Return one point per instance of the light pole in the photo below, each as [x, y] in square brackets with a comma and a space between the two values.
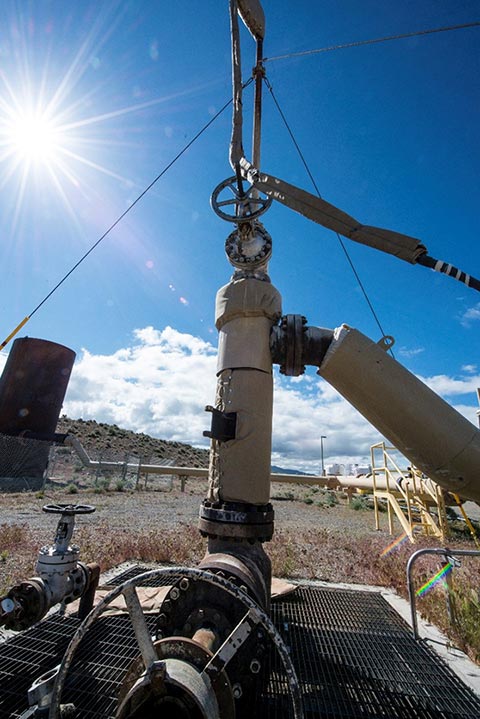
[322, 437]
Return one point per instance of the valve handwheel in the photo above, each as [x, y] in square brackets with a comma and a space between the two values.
[157, 672]
[68, 509]
[245, 206]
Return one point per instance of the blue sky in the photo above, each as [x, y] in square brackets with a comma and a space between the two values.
[390, 132]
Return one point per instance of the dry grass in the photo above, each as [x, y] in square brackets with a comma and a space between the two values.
[339, 552]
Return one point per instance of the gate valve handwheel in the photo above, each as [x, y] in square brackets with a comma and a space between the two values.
[68, 509]
[245, 207]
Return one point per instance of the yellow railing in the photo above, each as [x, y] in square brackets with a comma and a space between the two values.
[419, 493]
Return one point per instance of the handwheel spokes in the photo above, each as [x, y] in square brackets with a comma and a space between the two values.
[233, 201]
[142, 633]
[231, 644]
[246, 205]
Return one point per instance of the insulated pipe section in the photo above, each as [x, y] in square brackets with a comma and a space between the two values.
[239, 470]
[435, 437]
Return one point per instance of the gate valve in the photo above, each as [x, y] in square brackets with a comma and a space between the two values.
[60, 576]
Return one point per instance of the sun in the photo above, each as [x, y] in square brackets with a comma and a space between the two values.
[34, 137]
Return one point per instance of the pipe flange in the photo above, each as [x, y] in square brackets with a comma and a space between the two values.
[294, 345]
[249, 246]
[287, 345]
[236, 520]
[181, 662]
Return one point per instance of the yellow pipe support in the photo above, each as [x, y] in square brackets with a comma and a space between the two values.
[12, 334]
[470, 526]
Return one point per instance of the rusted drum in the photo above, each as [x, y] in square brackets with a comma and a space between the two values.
[32, 389]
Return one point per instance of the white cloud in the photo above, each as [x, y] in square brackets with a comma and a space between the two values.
[300, 418]
[471, 368]
[162, 382]
[160, 385]
[471, 315]
[450, 387]
[412, 352]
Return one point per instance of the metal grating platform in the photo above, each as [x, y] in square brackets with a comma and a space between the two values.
[355, 658]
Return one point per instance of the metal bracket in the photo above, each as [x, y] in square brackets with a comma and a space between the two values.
[386, 342]
[224, 425]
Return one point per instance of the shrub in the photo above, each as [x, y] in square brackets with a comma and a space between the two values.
[102, 484]
[358, 503]
[330, 499]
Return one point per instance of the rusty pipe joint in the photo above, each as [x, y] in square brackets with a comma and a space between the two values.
[293, 344]
[236, 520]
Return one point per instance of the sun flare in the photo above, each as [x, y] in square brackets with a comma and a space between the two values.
[34, 137]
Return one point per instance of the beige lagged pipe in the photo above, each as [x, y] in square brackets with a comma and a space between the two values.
[239, 470]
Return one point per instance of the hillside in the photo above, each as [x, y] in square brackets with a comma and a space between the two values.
[112, 442]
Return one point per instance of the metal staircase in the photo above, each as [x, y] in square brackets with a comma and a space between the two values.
[414, 499]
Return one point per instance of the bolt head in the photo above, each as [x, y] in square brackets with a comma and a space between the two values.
[255, 666]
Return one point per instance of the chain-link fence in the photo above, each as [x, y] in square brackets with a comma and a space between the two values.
[23, 463]
[29, 464]
[112, 470]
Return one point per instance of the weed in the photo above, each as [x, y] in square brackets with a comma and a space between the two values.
[308, 500]
[286, 496]
[283, 555]
[359, 503]
[12, 535]
[102, 484]
[120, 485]
[3, 555]
[330, 499]
[72, 489]
[40, 494]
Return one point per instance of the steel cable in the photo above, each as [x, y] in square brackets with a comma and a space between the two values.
[120, 218]
[373, 41]
[342, 244]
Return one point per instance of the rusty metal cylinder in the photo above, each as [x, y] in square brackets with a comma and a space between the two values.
[32, 389]
[33, 385]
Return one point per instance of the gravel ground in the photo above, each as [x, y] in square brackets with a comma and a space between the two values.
[169, 508]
